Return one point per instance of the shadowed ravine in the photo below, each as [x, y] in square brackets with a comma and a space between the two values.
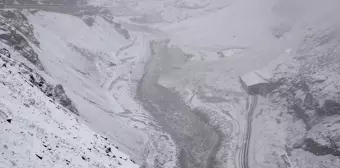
[195, 137]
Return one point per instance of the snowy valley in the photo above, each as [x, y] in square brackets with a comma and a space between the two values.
[161, 84]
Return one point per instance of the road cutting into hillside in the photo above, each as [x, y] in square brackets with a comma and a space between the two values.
[244, 151]
[196, 139]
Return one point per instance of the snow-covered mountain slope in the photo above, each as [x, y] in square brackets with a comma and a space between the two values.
[89, 61]
[36, 131]
[309, 91]
[99, 75]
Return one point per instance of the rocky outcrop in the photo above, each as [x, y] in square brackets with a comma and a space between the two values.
[89, 16]
[89, 20]
[60, 96]
[321, 117]
[36, 131]
[324, 137]
[56, 93]
[329, 108]
[18, 34]
[311, 92]
[121, 30]
[107, 15]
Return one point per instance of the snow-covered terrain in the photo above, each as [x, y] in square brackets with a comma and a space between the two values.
[88, 61]
[92, 64]
[136, 69]
[290, 41]
[36, 131]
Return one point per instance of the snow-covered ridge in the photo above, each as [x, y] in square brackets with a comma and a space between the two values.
[99, 73]
[41, 133]
[17, 32]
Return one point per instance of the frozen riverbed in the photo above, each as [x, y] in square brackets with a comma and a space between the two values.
[193, 135]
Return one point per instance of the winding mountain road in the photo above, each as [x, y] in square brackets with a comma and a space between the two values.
[244, 151]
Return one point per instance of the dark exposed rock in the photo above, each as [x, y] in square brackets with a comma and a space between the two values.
[301, 84]
[33, 11]
[89, 21]
[310, 102]
[55, 92]
[278, 121]
[67, 162]
[323, 138]
[300, 113]
[40, 157]
[298, 95]
[16, 21]
[18, 33]
[311, 146]
[111, 64]
[107, 16]
[108, 150]
[331, 107]
[5, 52]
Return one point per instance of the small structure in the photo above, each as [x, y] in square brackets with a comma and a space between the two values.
[255, 84]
